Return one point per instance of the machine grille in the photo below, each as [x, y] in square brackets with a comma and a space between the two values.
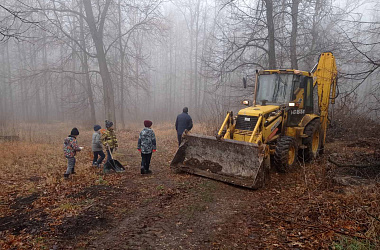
[245, 122]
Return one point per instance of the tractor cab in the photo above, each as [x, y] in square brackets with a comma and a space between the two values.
[291, 89]
[284, 87]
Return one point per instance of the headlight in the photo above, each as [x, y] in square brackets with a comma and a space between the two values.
[292, 104]
[245, 102]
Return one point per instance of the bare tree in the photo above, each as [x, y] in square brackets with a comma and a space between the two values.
[14, 23]
[293, 38]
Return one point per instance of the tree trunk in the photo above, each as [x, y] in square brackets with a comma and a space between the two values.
[85, 70]
[293, 37]
[8, 82]
[97, 36]
[171, 75]
[38, 107]
[61, 111]
[202, 89]
[314, 33]
[191, 72]
[45, 80]
[122, 58]
[3, 94]
[137, 70]
[271, 40]
[196, 57]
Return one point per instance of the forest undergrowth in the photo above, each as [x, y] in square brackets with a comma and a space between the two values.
[320, 204]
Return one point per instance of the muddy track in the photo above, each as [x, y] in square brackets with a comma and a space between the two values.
[185, 211]
[187, 217]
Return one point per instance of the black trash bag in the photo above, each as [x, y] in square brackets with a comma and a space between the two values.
[114, 165]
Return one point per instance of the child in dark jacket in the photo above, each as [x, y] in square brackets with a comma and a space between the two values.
[97, 147]
[146, 145]
[70, 149]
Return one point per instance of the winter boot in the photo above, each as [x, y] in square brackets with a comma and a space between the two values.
[142, 171]
[73, 171]
[66, 176]
[147, 171]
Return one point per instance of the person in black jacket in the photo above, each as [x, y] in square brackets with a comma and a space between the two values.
[183, 122]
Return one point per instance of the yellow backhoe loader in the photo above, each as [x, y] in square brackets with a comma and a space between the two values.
[288, 118]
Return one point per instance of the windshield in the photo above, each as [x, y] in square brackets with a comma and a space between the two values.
[275, 88]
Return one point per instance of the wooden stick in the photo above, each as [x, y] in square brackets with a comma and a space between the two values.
[377, 164]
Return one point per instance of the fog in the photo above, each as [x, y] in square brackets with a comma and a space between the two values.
[89, 60]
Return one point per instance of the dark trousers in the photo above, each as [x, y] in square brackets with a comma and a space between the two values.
[145, 161]
[109, 155]
[179, 136]
[96, 155]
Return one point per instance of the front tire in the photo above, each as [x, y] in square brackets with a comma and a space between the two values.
[285, 156]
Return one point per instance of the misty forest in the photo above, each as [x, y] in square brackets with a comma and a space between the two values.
[136, 64]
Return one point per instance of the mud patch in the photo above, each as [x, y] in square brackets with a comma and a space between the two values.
[24, 202]
[92, 192]
[75, 226]
[32, 222]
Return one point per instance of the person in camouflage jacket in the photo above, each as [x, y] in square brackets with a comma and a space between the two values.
[109, 140]
[146, 145]
[70, 149]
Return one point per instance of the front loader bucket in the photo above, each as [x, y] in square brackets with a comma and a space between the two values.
[231, 161]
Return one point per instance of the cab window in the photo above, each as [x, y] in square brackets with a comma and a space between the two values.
[308, 95]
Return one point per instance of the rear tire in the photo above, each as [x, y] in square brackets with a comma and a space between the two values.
[285, 156]
[313, 141]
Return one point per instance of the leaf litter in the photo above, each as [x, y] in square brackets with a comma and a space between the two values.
[303, 209]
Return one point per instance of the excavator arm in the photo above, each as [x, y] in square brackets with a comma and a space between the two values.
[325, 77]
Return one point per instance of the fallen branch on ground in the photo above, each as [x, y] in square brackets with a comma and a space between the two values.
[370, 214]
[377, 164]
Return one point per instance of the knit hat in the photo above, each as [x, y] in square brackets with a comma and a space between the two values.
[74, 131]
[148, 123]
[185, 110]
[109, 124]
[97, 127]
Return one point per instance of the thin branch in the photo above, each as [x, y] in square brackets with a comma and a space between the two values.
[377, 164]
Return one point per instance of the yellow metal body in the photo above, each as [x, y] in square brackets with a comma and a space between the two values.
[266, 126]
[240, 153]
[325, 77]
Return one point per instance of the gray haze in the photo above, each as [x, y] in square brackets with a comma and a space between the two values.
[88, 60]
